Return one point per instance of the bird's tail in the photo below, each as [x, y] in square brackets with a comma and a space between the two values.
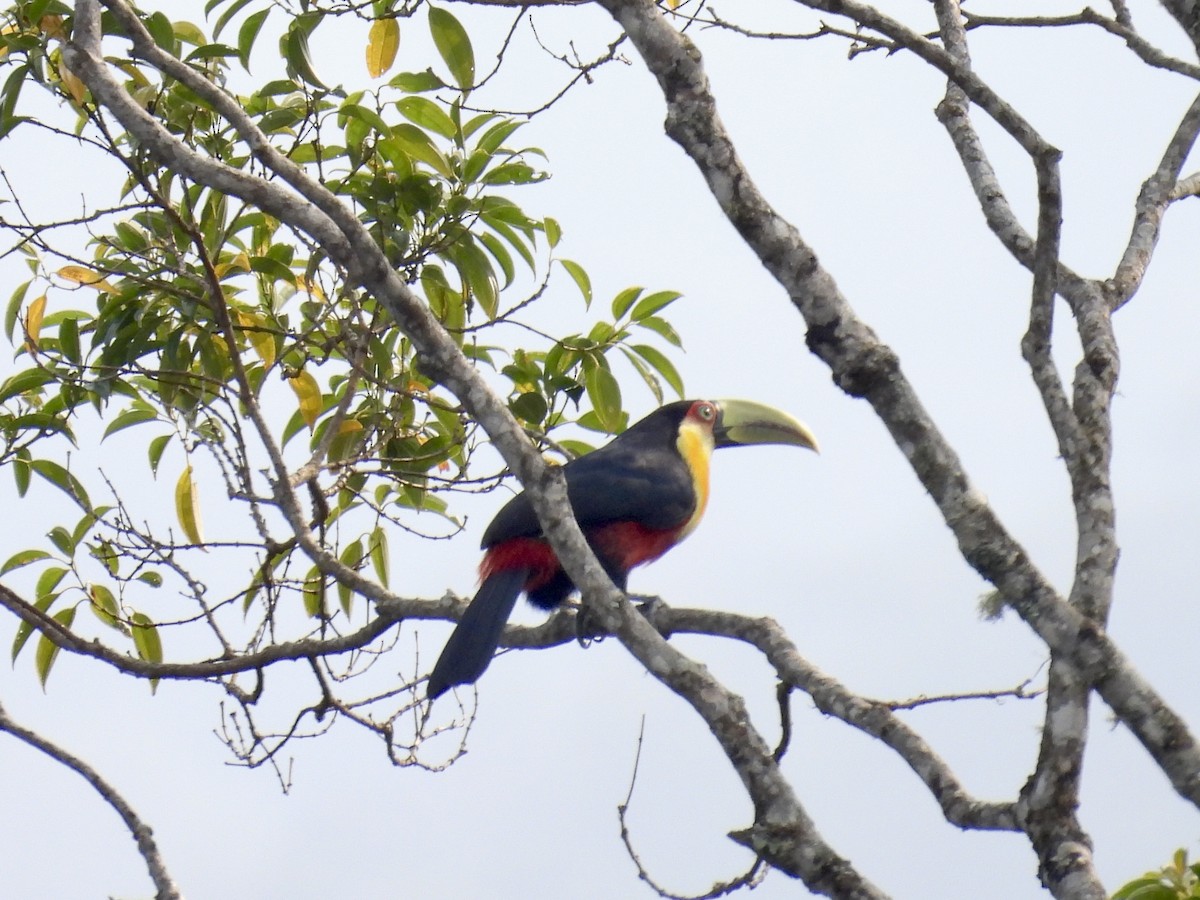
[470, 648]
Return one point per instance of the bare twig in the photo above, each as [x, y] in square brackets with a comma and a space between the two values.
[749, 879]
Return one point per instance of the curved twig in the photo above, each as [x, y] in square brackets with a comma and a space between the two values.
[164, 884]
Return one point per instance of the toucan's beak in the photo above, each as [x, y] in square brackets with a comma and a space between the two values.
[742, 422]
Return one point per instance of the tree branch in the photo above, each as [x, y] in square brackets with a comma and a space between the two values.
[864, 367]
[319, 213]
[164, 884]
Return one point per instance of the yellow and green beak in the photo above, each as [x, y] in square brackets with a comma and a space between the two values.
[744, 422]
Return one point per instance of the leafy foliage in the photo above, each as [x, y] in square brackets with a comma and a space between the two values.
[215, 341]
[1177, 881]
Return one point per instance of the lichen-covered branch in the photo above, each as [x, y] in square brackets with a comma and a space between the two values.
[865, 367]
[309, 208]
[164, 883]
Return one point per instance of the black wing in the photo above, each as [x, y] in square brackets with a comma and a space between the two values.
[613, 484]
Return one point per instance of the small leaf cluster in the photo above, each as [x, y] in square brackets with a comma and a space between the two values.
[61, 586]
[1176, 881]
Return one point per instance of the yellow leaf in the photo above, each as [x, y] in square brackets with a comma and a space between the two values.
[73, 85]
[349, 425]
[52, 27]
[33, 321]
[239, 263]
[7, 29]
[383, 42]
[86, 277]
[309, 394]
[311, 288]
[259, 335]
[187, 507]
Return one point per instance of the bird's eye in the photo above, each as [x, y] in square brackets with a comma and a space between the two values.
[706, 412]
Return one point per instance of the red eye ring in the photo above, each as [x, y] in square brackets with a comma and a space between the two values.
[705, 411]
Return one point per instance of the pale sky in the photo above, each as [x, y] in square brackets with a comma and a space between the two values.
[844, 550]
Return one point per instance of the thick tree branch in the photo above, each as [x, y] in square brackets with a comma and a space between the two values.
[350, 246]
[1187, 14]
[66, 639]
[872, 717]
[1051, 797]
[1157, 193]
[864, 367]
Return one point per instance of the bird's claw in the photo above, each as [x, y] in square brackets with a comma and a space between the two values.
[588, 629]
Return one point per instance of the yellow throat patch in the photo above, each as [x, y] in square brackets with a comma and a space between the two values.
[695, 445]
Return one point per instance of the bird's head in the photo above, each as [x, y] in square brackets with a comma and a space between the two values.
[739, 423]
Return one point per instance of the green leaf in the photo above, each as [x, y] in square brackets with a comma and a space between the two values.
[423, 112]
[155, 451]
[43, 423]
[129, 418]
[22, 558]
[13, 311]
[454, 45]
[107, 555]
[416, 143]
[650, 305]
[383, 42]
[351, 558]
[652, 380]
[68, 340]
[147, 641]
[61, 538]
[366, 115]
[379, 554]
[222, 20]
[624, 300]
[248, 34]
[514, 239]
[25, 630]
[530, 406]
[499, 253]
[189, 33]
[513, 173]
[478, 274]
[605, 394]
[21, 472]
[580, 277]
[663, 329]
[151, 578]
[663, 365]
[162, 31]
[47, 650]
[417, 82]
[553, 230]
[104, 605]
[63, 480]
[313, 594]
[294, 47]
[492, 140]
[25, 382]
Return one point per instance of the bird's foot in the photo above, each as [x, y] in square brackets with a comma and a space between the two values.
[646, 603]
[588, 628]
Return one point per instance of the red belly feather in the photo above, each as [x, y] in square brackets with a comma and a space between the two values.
[627, 544]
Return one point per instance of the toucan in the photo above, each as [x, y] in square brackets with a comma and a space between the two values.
[634, 499]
